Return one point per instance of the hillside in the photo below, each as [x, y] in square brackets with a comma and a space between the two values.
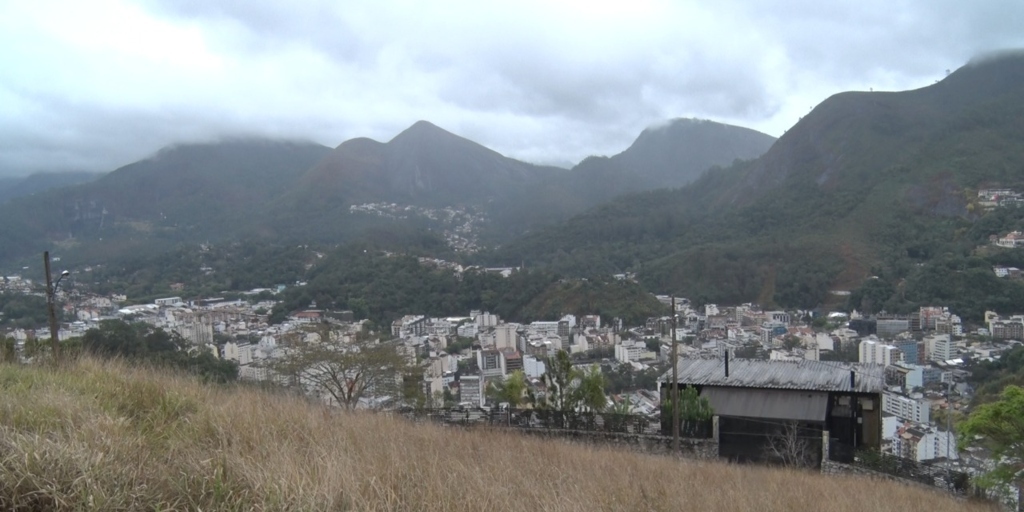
[434, 182]
[423, 165]
[105, 436]
[667, 155]
[382, 288]
[193, 192]
[11, 188]
[867, 182]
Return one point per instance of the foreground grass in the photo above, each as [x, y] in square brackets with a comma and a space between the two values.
[108, 436]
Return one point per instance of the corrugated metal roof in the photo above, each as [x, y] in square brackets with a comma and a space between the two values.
[768, 403]
[755, 373]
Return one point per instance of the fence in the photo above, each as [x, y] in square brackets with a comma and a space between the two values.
[562, 420]
[957, 482]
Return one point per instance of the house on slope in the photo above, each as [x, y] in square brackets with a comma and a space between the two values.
[765, 406]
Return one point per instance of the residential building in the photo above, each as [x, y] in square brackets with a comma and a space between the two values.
[468, 330]
[940, 347]
[949, 323]
[1005, 328]
[505, 336]
[544, 328]
[409, 325]
[921, 443]
[471, 390]
[533, 367]
[486, 319]
[490, 362]
[873, 352]
[928, 315]
[513, 360]
[629, 351]
[771, 329]
[1011, 240]
[913, 350]
[906, 408]
[889, 327]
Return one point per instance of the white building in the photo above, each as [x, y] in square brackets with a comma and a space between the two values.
[533, 367]
[486, 319]
[629, 351]
[546, 329]
[906, 408]
[468, 330]
[921, 443]
[870, 351]
[940, 347]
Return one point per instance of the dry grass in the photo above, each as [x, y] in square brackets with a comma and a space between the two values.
[107, 436]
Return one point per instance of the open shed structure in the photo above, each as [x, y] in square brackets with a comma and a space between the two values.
[764, 407]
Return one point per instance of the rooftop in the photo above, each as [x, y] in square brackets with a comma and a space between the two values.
[802, 375]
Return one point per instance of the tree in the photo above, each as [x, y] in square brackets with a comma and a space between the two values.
[345, 370]
[1000, 426]
[788, 447]
[694, 410]
[511, 390]
[8, 350]
[590, 390]
[570, 388]
[142, 342]
[558, 378]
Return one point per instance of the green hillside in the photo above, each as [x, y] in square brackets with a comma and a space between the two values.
[866, 183]
[191, 193]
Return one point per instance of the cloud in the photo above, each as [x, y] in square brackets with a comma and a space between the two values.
[110, 82]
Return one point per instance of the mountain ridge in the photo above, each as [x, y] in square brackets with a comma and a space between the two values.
[865, 182]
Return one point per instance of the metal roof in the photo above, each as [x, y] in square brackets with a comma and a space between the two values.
[768, 403]
[804, 375]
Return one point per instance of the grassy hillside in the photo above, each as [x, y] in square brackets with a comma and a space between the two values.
[105, 436]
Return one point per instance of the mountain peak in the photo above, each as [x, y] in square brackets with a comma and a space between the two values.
[424, 130]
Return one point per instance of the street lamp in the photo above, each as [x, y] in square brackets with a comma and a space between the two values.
[51, 291]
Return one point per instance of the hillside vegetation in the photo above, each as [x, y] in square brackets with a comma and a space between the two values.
[106, 436]
[867, 183]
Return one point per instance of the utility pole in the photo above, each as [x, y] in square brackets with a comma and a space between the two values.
[51, 310]
[675, 382]
[949, 429]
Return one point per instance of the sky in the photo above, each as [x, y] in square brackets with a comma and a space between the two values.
[100, 84]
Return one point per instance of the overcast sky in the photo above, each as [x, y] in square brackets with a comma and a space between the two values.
[96, 85]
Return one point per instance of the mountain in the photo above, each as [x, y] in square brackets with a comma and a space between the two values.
[668, 155]
[435, 183]
[189, 192]
[423, 165]
[867, 182]
[11, 188]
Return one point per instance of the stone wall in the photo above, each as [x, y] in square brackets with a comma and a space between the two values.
[643, 443]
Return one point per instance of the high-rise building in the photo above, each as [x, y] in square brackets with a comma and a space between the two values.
[471, 390]
[870, 351]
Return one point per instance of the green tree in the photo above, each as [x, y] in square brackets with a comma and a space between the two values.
[142, 342]
[8, 350]
[511, 390]
[558, 379]
[569, 388]
[999, 426]
[590, 390]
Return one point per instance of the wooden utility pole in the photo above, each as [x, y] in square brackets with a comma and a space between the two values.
[675, 382]
[51, 310]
